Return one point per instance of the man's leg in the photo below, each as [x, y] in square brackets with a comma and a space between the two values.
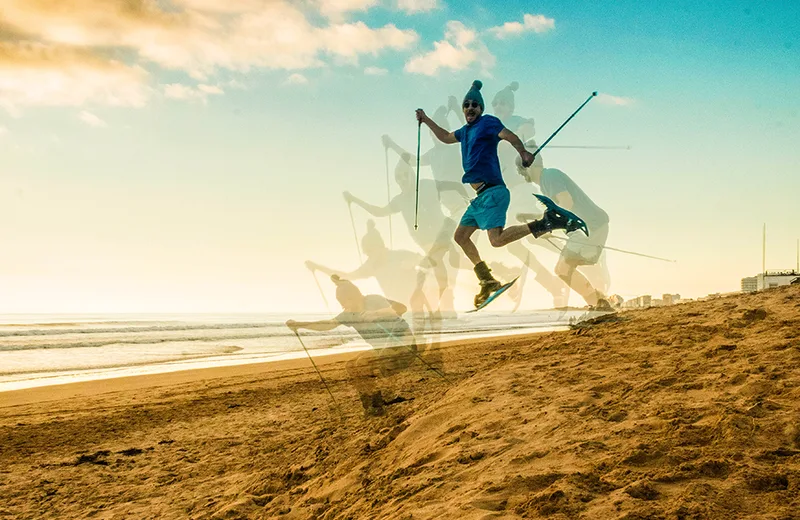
[568, 271]
[554, 285]
[463, 238]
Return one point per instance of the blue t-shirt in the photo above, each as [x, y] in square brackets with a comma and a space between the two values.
[479, 150]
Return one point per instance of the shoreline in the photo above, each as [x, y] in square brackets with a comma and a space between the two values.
[49, 379]
[97, 387]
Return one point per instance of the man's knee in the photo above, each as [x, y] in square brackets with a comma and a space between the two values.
[564, 269]
[461, 236]
[496, 239]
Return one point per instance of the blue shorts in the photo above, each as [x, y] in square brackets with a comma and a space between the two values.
[488, 210]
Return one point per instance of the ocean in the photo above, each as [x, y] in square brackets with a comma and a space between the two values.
[47, 349]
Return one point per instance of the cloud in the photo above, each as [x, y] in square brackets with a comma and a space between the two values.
[35, 74]
[189, 93]
[537, 23]
[296, 79]
[416, 6]
[200, 38]
[375, 71]
[91, 119]
[608, 99]
[337, 8]
[459, 49]
[3, 131]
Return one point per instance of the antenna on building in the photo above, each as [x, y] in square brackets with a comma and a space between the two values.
[764, 249]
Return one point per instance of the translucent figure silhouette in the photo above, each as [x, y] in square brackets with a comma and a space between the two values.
[479, 139]
[445, 164]
[579, 252]
[395, 271]
[379, 322]
[435, 232]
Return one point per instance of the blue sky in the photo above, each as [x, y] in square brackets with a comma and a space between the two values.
[182, 158]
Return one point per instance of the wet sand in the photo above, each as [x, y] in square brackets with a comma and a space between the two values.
[690, 411]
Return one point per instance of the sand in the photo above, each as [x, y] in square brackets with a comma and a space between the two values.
[683, 412]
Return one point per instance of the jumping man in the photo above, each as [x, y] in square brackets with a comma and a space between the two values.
[479, 138]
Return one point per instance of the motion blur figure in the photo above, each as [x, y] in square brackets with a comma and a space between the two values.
[579, 252]
[435, 233]
[379, 322]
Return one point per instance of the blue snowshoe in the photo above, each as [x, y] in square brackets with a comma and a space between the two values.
[556, 217]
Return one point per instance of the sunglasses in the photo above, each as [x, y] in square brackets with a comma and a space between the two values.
[471, 104]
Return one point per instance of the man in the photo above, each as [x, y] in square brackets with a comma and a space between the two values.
[479, 138]
[435, 231]
[445, 164]
[378, 321]
[578, 252]
[394, 270]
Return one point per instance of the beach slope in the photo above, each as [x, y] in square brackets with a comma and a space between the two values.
[686, 412]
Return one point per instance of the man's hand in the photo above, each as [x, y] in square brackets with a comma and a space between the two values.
[453, 104]
[386, 140]
[292, 325]
[527, 158]
[421, 116]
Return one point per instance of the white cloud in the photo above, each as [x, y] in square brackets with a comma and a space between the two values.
[416, 6]
[336, 8]
[198, 37]
[608, 99]
[34, 74]
[537, 23]
[375, 71]
[91, 119]
[296, 79]
[210, 89]
[459, 49]
[189, 93]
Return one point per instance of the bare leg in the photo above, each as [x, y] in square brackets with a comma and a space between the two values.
[500, 237]
[569, 273]
[463, 238]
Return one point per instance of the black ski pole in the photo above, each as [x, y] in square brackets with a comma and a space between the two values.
[318, 372]
[594, 94]
[416, 204]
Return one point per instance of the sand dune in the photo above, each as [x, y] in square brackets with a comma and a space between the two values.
[683, 412]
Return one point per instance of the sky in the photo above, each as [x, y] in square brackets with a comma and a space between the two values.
[190, 155]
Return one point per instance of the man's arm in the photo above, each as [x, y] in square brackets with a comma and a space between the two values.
[507, 135]
[407, 157]
[376, 211]
[320, 326]
[364, 271]
[440, 133]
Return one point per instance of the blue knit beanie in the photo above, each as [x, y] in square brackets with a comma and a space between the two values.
[474, 94]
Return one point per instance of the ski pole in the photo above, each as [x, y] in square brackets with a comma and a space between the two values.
[321, 292]
[318, 372]
[388, 195]
[587, 147]
[416, 204]
[414, 352]
[355, 235]
[617, 250]
[594, 94]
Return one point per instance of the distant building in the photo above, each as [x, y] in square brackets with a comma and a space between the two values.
[616, 300]
[750, 284]
[644, 300]
[671, 299]
[769, 279]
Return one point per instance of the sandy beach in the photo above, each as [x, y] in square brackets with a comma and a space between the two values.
[683, 412]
